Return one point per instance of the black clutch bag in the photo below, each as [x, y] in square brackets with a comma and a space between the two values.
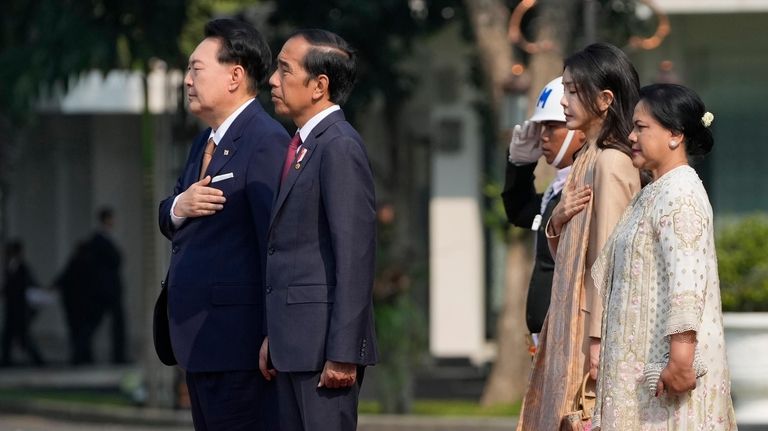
[161, 333]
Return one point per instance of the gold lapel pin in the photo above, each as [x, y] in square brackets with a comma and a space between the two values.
[297, 166]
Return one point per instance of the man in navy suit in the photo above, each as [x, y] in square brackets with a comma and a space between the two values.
[217, 219]
[321, 243]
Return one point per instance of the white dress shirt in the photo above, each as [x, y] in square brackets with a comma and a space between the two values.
[217, 136]
[315, 120]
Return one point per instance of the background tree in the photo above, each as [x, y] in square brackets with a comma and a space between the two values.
[45, 45]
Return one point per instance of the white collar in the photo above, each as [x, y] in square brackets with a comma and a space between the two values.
[218, 134]
[315, 120]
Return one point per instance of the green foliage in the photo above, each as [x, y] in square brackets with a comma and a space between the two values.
[383, 32]
[199, 12]
[45, 43]
[463, 408]
[495, 217]
[85, 396]
[742, 252]
[400, 324]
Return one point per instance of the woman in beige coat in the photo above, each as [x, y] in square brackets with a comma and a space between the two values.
[601, 89]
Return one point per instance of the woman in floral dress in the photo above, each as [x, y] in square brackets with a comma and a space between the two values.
[663, 361]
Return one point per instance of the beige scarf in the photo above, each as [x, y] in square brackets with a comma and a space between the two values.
[560, 362]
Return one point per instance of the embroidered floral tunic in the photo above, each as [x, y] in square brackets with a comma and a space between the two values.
[658, 276]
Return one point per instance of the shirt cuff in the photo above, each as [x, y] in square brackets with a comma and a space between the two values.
[176, 220]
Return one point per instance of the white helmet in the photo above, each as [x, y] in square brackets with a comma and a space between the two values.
[548, 107]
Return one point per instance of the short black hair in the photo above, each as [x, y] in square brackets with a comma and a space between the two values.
[13, 248]
[332, 56]
[105, 214]
[602, 66]
[679, 109]
[243, 45]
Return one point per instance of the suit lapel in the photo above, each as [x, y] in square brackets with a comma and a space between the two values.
[227, 148]
[293, 174]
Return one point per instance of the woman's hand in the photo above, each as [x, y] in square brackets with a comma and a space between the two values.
[573, 201]
[676, 379]
[679, 377]
[594, 357]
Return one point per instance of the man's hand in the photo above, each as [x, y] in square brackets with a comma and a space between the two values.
[338, 375]
[199, 200]
[525, 147]
[264, 364]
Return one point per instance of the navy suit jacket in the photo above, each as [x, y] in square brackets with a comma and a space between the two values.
[215, 280]
[321, 253]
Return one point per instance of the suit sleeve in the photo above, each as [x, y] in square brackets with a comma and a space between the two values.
[164, 211]
[263, 184]
[521, 202]
[616, 182]
[348, 199]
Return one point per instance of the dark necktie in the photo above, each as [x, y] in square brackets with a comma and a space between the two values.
[207, 156]
[290, 155]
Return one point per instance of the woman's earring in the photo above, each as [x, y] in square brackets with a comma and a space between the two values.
[673, 144]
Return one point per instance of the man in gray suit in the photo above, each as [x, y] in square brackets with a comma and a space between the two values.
[320, 244]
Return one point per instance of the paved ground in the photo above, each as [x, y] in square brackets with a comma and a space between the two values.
[18, 422]
[40, 415]
[33, 423]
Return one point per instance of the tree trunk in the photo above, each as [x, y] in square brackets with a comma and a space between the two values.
[489, 19]
[509, 376]
[505, 385]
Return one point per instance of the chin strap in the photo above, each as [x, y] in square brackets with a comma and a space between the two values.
[563, 148]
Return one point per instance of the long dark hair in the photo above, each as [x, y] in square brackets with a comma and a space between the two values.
[679, 109]
[598, 67]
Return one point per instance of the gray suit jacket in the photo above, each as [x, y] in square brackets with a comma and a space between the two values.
[321, 253]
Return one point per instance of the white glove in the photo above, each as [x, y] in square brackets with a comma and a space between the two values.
[525, 147]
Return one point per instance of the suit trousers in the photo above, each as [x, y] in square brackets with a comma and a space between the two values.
[232, 401]
[305, 407]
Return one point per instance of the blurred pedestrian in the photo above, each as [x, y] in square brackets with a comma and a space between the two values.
[601, 89]
[543, 134]
[217, 219]
[106, 263]
[82, 303]
[663, 360]
[18, 279]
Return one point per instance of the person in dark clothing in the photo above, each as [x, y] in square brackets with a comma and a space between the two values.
[106, 261]
[18, 312]
[543, 134]
[82, 307]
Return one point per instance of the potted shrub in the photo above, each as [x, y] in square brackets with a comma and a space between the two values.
[742, 251]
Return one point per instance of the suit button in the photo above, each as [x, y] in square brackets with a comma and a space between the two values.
[269, 289]
[271, 250]
[175, 249]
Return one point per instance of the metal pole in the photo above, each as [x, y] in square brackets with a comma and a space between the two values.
[590, 21]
